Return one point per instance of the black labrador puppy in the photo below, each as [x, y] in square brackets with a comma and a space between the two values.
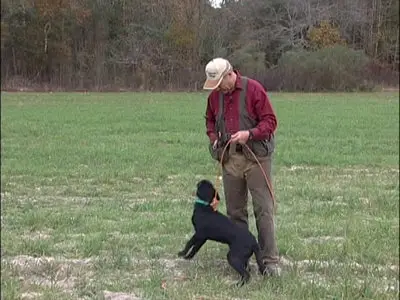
[210, 224]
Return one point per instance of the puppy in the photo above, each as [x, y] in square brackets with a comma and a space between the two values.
[210, 224]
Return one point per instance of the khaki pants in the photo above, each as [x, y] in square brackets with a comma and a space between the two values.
[239, 176]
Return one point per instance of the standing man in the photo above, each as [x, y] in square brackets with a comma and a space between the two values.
[239, 109]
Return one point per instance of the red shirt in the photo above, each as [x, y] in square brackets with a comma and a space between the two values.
[259, 107]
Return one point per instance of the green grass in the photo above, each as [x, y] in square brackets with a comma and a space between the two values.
[97, 196]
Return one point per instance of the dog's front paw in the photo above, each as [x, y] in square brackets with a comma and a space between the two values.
[248, 268]
[242, 281]
[181, 253]
[184, 255]
[239, 284]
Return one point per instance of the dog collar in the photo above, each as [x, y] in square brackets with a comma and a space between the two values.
[201, 202]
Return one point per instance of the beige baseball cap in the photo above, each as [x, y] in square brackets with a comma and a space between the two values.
[216, 69]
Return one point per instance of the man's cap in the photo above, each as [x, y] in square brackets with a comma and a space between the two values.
[216, 69]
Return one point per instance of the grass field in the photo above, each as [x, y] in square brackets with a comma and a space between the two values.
[96, 195]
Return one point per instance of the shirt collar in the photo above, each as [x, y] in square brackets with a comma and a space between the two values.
[238, 82]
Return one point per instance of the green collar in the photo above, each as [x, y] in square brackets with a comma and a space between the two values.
[202, 202]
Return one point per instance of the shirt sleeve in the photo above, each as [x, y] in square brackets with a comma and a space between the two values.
[265, 113]
[210, 121]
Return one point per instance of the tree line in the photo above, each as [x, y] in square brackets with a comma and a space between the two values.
[153, 45]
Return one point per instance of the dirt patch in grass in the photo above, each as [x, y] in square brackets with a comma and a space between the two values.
[198, 297]
[302, 264]
[304, 167]
[324, 239]
[120, 296]
[381, 285]
[50, 272]
[31, 296]
[37, 235]
[330, 203]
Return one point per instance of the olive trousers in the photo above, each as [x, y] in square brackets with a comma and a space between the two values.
[240, 175]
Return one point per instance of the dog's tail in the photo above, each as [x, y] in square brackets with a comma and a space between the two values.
[257, 253]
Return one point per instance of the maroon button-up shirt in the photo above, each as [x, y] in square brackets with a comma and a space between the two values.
[259, 107]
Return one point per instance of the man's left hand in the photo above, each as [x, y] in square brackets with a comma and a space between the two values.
[240, 137]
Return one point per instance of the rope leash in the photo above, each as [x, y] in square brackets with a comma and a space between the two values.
[218, 181]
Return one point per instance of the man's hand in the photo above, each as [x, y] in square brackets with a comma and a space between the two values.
[240, 137]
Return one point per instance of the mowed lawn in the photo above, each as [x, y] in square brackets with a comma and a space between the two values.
[96, 198]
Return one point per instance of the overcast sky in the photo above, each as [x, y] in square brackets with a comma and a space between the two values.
[215, 3]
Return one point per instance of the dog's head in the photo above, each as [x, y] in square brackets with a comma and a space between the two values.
[206, 192]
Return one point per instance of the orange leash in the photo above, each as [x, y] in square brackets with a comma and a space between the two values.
[217, 182]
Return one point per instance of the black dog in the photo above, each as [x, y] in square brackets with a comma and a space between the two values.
[212, 225]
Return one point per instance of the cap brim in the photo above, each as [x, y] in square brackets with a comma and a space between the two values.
[211, 84]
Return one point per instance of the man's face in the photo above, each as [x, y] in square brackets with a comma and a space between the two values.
[227, 83]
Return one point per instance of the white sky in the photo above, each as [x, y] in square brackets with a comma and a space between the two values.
[215, 3]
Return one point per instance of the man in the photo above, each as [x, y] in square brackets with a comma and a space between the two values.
[239, 109]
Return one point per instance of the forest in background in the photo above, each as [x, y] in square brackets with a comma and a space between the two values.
[163, 45]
